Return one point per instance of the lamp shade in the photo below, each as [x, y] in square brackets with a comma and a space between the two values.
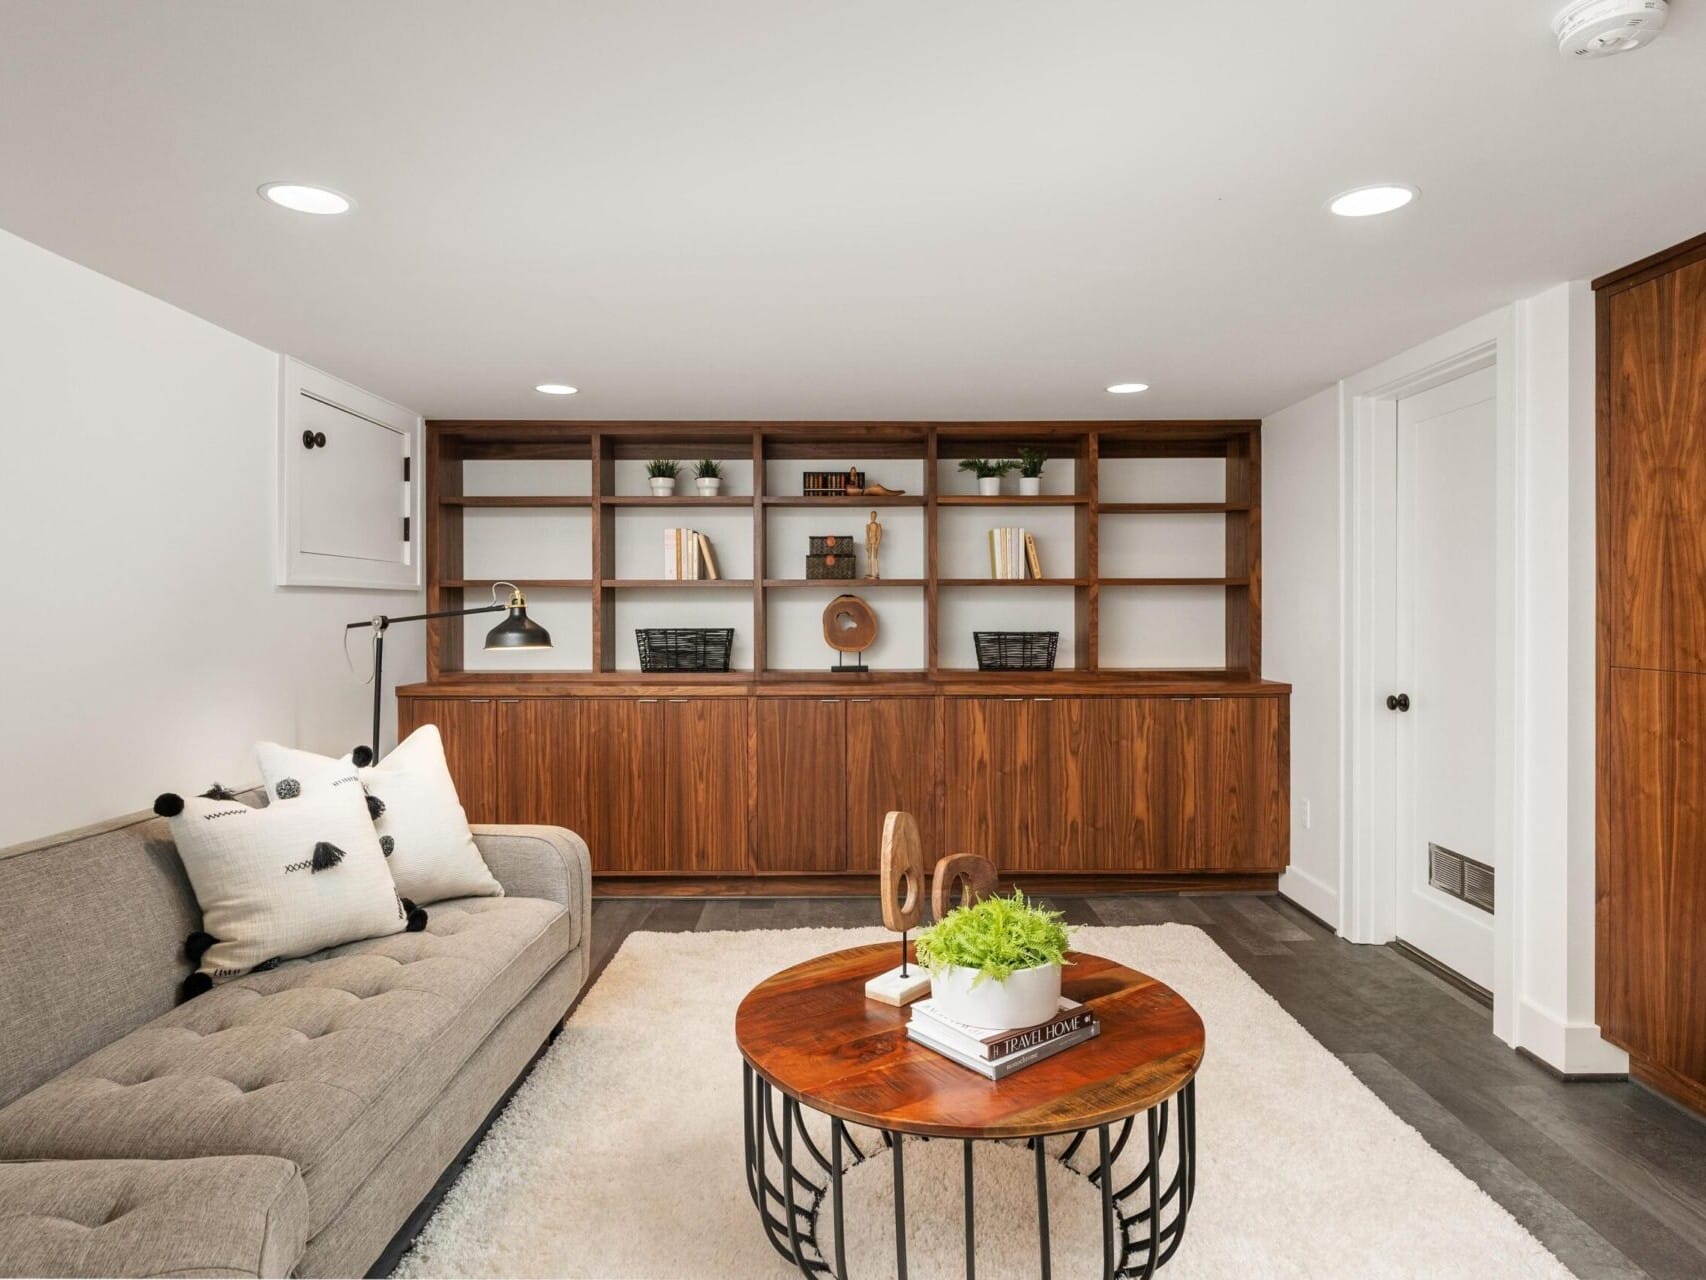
[518, 631]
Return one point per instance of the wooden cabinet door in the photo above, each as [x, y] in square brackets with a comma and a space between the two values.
[705, 792]
[894, 761]
[1051, 800]
[1129, 772]
[800, 761]
[983, 752]
[469, 728]
[1242, 816]
[595, 766]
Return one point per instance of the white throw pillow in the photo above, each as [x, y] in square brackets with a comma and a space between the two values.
[287, 880]
[421, 825]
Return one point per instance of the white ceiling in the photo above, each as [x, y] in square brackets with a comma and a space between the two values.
[880, 208]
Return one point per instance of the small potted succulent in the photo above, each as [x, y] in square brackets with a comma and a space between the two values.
[662, 473]
[1030, 467]
[988, 472]
[708, 477]
[996, 964]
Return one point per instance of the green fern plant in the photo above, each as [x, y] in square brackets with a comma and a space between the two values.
[662, 468]
[988, 468]
[997, 937]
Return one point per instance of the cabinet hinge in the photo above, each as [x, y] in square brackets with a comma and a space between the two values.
[405, 528]
[405, 468]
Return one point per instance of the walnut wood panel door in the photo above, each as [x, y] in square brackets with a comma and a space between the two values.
[984, 750]
[1129, 770]
[1652, 473]
[704, 795]
[595, 766]
[469, 728]
[1652, 869]
[1051, 797]
[1235, 756]
[801, 762]
[894, 754]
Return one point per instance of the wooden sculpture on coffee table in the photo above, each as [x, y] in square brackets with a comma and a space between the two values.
[970, 877]
[903, 908]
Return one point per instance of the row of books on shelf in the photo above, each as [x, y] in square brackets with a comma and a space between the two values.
[687, 556]
[995, 1054]
[1013, 554]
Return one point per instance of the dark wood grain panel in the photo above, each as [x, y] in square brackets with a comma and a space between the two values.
[800, 821]
[1128, 783]
[1048, 797]
[469, 728]
[893, 747]
[705, 796]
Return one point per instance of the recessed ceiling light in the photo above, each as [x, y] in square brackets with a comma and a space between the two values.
[1128, 388]
[556, 388]
[303, 199]
[1365, 202]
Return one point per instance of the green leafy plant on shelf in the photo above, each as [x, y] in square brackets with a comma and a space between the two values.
[998, 937]
[662, 468]
[988, 468]
[1030, 463]
[708, 469]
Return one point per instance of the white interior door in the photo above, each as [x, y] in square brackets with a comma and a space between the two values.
[1444, 623]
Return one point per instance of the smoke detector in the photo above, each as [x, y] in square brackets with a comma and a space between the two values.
[1601, 28]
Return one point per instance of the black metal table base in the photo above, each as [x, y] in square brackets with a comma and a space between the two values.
[795, 1184]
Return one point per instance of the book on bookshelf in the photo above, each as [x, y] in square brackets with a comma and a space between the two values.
[982, 1043]
[707, 558]
[1032, 560]
[998, 1068]
[687, 556]
[1007, 553]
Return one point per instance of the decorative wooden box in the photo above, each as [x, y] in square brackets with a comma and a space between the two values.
[831, 556]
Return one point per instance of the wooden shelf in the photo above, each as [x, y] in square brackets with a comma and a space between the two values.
[843, 583]
[1169, 508]
[519, 500]
[646, 500]
[1174, 582]
[1014, 582]
[1013, 500]
[678, 582]
[893, 500]
[526, 584]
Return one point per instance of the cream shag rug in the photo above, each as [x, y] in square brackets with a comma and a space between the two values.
[621, 1156]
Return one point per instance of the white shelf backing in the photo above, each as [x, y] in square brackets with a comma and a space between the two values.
[525, 477]
[794, 629]
[788, 532]
[639, 538]
[674, 607]
[1162, 627]
[1163, 546]
[782, 475]
[962, 610]
[499, 542]
[1162, 480]
[1060, 478]
[566, 614]
[632, 481]
[962, 538]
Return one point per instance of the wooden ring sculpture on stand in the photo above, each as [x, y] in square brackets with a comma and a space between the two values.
[849, 626]
[903, 907]
[966, 875]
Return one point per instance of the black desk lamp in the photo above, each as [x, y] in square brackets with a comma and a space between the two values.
[517, 631]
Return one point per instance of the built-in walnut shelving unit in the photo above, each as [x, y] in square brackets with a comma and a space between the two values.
[578, 519]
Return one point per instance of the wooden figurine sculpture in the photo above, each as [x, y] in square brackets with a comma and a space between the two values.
[970, 877]
[903, 908]
[873, 548]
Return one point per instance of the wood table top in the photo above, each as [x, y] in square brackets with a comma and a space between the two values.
[811, 1033]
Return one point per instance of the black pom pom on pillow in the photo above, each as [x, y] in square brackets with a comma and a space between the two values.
[217, 792]
[196, 945]
[195, 984]
[387, 845]
[375, 807]
[416, 916]
[361, 757]
[168, 805]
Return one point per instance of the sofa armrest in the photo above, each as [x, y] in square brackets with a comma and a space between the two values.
[540, 862]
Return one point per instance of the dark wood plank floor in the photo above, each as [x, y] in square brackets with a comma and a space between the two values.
[1610, 1177]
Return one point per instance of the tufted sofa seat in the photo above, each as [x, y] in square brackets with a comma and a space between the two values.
[289, 1121]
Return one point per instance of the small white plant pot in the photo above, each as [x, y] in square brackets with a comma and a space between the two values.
[709, 486]
[663, 486]
[1026, 998]
[1030, 486]
[989, 486]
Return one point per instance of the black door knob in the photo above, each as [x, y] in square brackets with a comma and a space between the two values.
[313, 439]
[1397, 702]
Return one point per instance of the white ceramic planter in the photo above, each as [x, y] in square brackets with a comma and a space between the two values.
[709, 486]
[1030, 486]
[1028, 997]
[663, 486]
[989, 486]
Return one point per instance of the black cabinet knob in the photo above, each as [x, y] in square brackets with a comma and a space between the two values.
[1397, 702]
[313, 439]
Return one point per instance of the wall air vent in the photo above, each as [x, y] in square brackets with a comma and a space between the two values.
[1463, 878]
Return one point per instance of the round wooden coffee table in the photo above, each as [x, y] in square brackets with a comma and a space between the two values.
[810, 1039]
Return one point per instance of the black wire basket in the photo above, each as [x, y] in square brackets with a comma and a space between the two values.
[1016, 650]
[685, 648]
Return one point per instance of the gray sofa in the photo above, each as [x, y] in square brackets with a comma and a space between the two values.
[285, 1123]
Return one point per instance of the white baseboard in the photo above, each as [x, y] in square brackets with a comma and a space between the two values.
[1575, 1049]
[1314, 896]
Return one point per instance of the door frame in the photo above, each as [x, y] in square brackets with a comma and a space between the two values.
[1368, 405]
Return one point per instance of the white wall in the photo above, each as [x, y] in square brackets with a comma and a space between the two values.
[143, 647]
[1302, 579]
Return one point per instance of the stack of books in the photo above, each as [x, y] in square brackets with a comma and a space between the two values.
[1013, 554]
[1000, 1053]
[687, 556]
